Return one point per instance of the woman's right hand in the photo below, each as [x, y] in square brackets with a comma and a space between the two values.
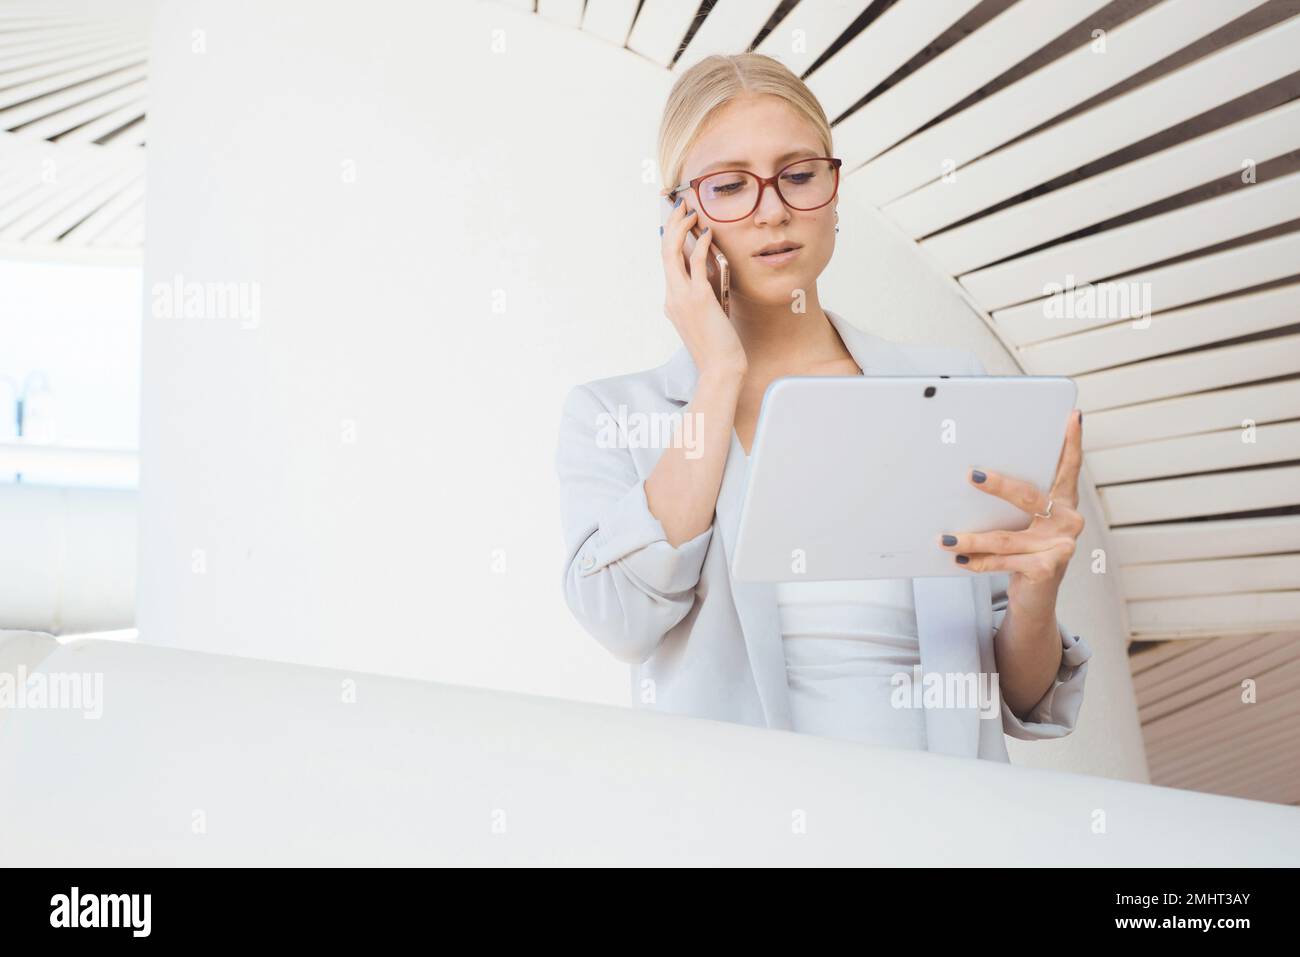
[690, 302]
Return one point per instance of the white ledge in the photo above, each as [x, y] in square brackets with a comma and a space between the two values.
[215, 760]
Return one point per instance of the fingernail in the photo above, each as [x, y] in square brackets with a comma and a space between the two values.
[661, 230]
[677, 202]
[963, 559]
[950, 539]
[704, 230]
[1081, 422]
[978, 476]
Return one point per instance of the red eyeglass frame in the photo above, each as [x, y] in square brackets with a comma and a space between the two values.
[763, 183]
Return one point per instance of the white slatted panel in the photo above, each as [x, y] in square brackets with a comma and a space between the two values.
[1216, 539]
[39, 97]
[997, 46]
[78, 78]
[1126, 248]
[1121, 190]
[107, 215]
[895, 37]
[611, 20]
[1192, 372]
[1214, 614]
[1191, 414]
[808, 30]
[1072, 79]
[730, 28]
[44, 106]
[660, 28]
[566, 13]
[1193, 89]
[84, 118]
[1215, 577]
[129, 111]
[17, 55]
[1170, 499]
[1168, 332]
[1234, 448]
[1193, 280]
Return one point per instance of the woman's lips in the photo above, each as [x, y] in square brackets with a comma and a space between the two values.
[780, 259]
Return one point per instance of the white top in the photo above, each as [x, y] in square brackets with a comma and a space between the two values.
[844, 641]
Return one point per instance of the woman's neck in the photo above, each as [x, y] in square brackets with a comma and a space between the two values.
[777, 337]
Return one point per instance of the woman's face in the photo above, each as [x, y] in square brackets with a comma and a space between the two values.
[756, 133]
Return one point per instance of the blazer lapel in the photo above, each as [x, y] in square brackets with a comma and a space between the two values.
[945, 608]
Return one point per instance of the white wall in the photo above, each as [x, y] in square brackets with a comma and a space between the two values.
[377, 306]
[479, 173]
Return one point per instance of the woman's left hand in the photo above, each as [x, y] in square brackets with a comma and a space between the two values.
[1037, 556]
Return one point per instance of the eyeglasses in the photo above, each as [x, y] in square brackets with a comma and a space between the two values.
[730, 195]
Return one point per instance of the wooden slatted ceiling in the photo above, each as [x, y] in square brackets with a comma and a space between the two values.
[73, 102]
[1203, 733]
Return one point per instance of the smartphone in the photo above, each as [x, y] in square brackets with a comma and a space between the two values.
[719, 268]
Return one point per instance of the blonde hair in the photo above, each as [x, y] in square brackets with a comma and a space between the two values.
[712, 83]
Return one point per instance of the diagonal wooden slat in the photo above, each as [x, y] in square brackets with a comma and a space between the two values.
[1199, 86]
[1186, 454]
[45, 105]
[611, 20]
[895, 37]
[1192, 280]
[1190, 414]
[1216, 539]
[77, 118]
[1099, 198]
[1127, 248]
[1168, 332]
[994, 48]
[91, 228]
[660, 28]
[566, 13]
[729, 28]
[808, 30]
[1224, 493]
[1132, 46]
[61, 80]
[1212, 577]
[1214, 614]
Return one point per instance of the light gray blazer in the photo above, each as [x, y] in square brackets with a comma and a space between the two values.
[704, 645]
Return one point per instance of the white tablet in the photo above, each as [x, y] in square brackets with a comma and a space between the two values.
[855, 477]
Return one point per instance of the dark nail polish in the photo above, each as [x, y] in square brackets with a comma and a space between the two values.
[1081, 423]
[677, 202]
[963, 559]
[661, 230]
[978, 476]
[950, 539]
[704, 230]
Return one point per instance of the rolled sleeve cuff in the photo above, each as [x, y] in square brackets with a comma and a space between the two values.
[629, 533]
[1057, 712]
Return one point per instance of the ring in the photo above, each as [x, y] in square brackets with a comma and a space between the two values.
[1048, 513]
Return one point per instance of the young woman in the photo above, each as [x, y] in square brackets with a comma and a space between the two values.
[649, 525]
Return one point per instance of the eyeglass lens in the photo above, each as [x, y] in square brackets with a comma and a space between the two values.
[734, 195]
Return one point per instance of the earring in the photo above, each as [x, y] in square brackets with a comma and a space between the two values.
[837, 220]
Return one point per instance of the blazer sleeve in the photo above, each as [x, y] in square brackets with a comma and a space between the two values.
[623, 581]
[1057, 712]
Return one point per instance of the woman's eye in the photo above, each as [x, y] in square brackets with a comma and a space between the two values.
[800, 178]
